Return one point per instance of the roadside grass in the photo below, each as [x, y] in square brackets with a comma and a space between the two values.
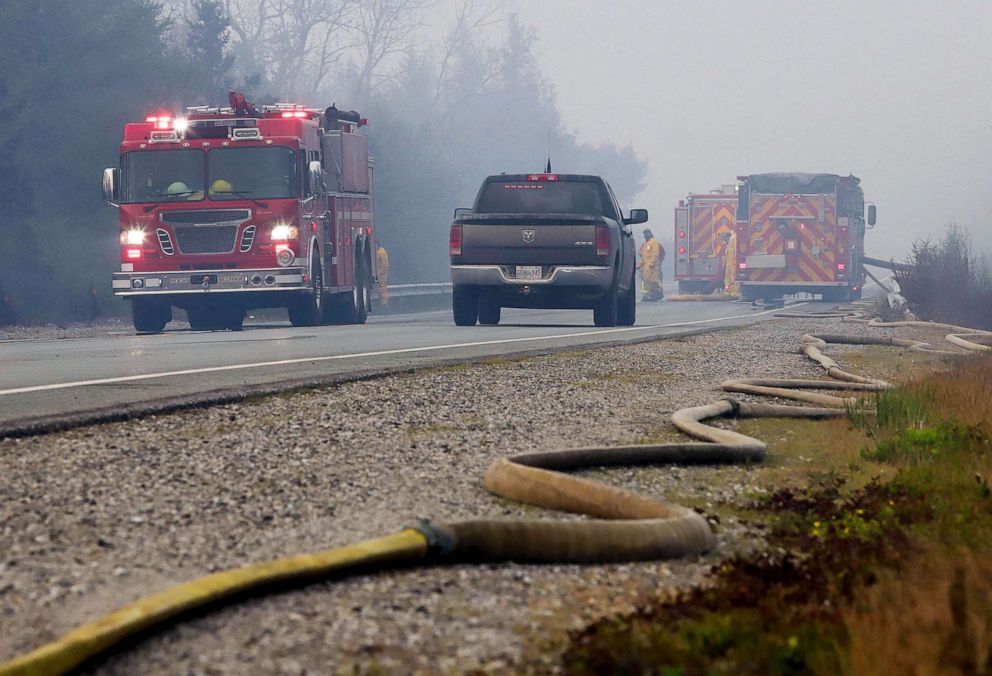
[879, 558]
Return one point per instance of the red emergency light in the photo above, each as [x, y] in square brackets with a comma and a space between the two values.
[160, 121]
[681, 249]
[542, 177]
[842, 266]
[133, 254]
[742, 266]
[681, 234]
[295, 113]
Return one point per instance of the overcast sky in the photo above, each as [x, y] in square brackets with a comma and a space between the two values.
[897, 92]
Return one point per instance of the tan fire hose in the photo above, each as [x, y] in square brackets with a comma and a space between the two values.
[625, 527]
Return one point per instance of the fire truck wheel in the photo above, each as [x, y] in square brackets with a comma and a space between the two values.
[150, 315]
[605, 312]
[362, 296]
[627, 311]
[308, 309]
[465, 305]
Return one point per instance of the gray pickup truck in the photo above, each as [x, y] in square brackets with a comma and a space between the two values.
[544, 241]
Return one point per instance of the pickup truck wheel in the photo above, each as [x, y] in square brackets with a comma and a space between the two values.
[465, 305]
[605, 312]
[308, 309]
[150, 315]
[489, 312]
[627, 311]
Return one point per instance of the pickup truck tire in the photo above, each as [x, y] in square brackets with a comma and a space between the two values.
[627, 310]
[150, 315]
[465, 305]
[606, 310]
[489, 312]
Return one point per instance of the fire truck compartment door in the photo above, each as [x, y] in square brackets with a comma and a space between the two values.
[766, 261]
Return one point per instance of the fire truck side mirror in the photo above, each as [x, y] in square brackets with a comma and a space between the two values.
[871, 215]
[317, 184]
[110, 186]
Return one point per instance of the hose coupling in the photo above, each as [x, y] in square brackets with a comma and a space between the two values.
[440, 540]
[735, 406]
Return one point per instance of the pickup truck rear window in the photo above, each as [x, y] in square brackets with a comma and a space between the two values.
[544, 197]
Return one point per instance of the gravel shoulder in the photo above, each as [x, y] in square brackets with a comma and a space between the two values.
[96, 517]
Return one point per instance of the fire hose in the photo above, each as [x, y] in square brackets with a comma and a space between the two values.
[625, 526]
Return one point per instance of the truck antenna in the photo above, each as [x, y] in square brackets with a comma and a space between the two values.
[547, 169]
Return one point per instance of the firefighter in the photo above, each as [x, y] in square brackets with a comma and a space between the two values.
[719, 277]
[730, 285]
[652, 254]
[382, 266]
[221, 186]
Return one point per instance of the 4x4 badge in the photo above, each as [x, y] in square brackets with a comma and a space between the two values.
[528, 235]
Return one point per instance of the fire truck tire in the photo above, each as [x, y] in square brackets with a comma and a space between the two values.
[308, 308]
[489, 312]
[627, 311]
[606, 310]
[150, 315]
[465, 305]
[363, 291]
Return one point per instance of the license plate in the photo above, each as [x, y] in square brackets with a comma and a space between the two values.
[528, 272]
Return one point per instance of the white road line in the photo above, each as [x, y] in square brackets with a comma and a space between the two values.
[361, 355]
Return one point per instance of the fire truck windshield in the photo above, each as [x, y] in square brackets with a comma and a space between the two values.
[163, 176]
[222, 174]
[251, 173]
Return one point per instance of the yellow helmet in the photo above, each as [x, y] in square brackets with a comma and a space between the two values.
[220, 185]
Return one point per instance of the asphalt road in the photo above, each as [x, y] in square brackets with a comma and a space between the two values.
[43, 382]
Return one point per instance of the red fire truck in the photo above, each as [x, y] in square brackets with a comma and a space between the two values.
[701, 220]
[801, 233]
[228, 209]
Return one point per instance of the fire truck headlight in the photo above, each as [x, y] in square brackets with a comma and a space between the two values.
[180, 124]
[133, 236]
[285, 256]
[284, 233]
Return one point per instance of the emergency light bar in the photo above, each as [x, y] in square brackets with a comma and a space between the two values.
[160, 121]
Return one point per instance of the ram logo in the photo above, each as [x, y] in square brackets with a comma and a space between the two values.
[528, 235]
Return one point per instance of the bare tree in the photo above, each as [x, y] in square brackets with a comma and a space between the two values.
[384, 28]
[295, 43]
[471, 17]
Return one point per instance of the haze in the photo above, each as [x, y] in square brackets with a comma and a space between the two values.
[897, 93]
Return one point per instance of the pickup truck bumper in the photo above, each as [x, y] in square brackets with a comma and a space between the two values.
[208, 281]
[597, 276]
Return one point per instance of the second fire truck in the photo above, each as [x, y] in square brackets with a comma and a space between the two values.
[801, 233]
[227, 209]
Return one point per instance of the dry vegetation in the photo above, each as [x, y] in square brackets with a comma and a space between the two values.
[879, 559]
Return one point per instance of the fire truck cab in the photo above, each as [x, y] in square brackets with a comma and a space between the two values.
[229, 209]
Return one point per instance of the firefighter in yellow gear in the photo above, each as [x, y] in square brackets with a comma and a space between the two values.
[730, 284]
[382, 268]
[652, 254]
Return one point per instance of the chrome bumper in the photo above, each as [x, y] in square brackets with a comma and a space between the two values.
[564, 275]
[208, 281]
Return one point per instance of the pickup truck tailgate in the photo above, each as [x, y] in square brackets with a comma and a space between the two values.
[525, 239]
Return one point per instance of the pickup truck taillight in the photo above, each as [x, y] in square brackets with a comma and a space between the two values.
[602, 241]
[455, 241]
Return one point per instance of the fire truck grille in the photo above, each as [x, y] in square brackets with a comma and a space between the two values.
[201, 240]
[247, 238]
[165, 242]
[206, 217]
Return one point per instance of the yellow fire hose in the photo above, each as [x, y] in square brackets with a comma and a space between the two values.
[625, 527]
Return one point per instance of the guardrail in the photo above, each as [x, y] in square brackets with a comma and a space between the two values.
[431, 289]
